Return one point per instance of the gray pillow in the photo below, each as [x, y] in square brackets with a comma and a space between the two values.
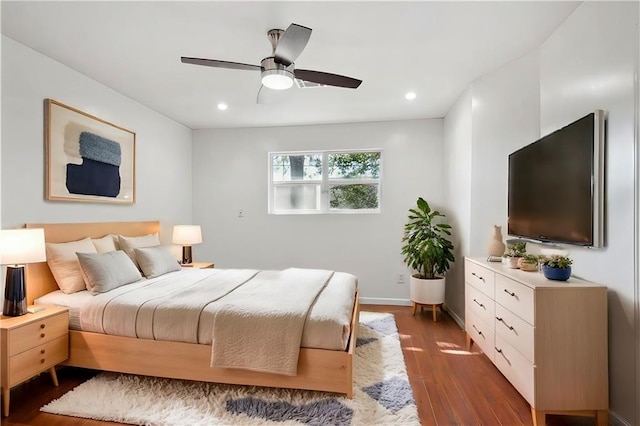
[156, 261]
[106, 271]
[129, 243]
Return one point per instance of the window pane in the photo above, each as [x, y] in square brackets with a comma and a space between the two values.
[354, 165]
[288, 168]
[296, 197]
[354, 197]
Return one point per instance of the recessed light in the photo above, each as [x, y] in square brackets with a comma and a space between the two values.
[222, 106]
[410, 96]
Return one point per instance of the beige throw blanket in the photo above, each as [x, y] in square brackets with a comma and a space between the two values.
[256, 331]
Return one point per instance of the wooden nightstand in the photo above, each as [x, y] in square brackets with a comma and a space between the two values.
[200, 265]
[31, 344]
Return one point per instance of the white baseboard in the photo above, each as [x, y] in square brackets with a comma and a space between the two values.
[616, 420]
[382, 301]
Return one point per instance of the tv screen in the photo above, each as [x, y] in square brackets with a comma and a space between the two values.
[556, 184]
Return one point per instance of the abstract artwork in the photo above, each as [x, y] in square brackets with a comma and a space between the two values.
[88, 159]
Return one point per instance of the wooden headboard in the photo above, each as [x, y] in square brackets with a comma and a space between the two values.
[38, 276]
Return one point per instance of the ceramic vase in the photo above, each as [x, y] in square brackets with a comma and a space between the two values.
[496, 247]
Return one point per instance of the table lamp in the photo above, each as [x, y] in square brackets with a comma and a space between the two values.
[187, 235]
[18, 247]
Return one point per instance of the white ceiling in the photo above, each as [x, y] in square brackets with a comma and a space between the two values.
[435, 49]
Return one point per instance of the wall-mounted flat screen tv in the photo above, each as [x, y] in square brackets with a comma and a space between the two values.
[556, 185]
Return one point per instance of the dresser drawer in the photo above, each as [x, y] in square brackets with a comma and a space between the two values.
[516, 368]
[480, 304]
[40, 358]
[481, 333]
[516, 331]
[38, 332]
[516, 297]
[479, 277]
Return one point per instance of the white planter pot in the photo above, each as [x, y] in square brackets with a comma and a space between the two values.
[427, 292]
[512, 262]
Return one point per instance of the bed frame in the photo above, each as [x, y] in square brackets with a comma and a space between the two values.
[318, 369]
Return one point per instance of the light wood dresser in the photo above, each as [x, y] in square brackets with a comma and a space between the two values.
[548, 338]
[31, 344]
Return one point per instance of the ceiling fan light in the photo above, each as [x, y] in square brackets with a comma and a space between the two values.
[277, 79]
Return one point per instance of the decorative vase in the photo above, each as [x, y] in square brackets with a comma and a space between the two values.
[556, 274]
[496, 247]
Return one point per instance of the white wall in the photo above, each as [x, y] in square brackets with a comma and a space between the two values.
[230, 173]
[496, 115]
[457, 159]
[506, 116]
[589, 63]
[163, 147]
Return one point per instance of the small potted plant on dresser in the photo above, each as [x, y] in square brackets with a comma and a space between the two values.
[556, 267]
[514, 253]
[427, 250]
[529, 263]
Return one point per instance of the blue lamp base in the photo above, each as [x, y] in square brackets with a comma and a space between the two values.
[15, 294]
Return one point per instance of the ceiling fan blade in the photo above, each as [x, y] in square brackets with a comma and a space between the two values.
[291, 44]
[219, 64]
[271, 96]
[327, 78]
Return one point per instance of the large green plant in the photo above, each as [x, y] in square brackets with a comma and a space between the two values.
[425, 245]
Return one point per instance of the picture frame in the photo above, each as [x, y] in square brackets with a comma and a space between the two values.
[88, 159]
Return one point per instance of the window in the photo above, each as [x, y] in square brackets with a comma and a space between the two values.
[324, 182]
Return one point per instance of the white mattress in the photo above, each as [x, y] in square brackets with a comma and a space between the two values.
[327, 326]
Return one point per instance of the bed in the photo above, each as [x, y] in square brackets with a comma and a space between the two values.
[317, 368]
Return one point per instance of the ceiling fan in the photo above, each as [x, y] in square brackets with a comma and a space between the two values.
[278, 70]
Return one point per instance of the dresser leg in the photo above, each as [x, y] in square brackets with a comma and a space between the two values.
[5, 401]
[602, 417]
[469, 342]
[538, 417]
[54, 376]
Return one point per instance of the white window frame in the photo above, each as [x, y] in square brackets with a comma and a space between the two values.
[325, 183]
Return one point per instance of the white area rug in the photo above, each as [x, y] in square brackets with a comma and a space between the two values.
[382, 394]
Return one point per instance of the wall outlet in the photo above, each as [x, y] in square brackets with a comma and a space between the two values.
[400, 279]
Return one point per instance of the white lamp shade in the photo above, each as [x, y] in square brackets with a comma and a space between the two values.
[187, 235]
[19, 246]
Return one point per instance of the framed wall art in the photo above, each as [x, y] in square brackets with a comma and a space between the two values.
[87, 158]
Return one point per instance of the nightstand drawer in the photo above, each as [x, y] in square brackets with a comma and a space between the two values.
[479, 277]
[38, 332]
[40, 358]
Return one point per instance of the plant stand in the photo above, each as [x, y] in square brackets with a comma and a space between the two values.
[434, 308]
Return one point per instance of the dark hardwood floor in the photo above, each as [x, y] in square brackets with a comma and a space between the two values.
[451, 385]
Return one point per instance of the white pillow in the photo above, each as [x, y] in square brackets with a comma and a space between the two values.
[106, 244]
[156, 261]
[106, 271]
[129, 243]
[63, 262]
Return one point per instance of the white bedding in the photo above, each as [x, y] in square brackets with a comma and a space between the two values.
[326, 327]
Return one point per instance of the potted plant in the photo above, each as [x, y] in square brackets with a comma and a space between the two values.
[556, 267]
[529, 262]
[513, 254]
[427, 250]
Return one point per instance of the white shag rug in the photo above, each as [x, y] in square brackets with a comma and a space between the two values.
[382, 394]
